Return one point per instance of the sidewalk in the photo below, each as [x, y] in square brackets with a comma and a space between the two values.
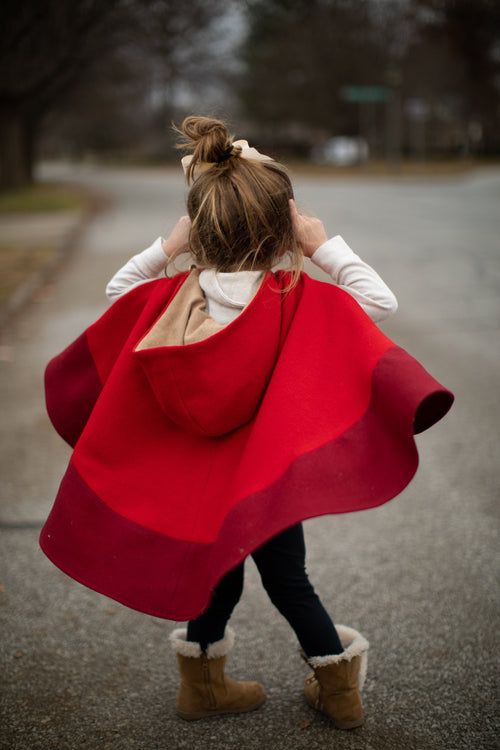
[38, 243]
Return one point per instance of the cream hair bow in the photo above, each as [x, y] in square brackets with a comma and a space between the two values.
[247, 152]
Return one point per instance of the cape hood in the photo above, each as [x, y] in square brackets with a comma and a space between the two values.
[208, 378]
[195, 443]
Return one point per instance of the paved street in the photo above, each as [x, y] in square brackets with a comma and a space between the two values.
[418, 576]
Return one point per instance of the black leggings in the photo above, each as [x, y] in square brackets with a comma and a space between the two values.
[281, 564]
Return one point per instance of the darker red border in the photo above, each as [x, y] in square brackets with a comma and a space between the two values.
[170, 578]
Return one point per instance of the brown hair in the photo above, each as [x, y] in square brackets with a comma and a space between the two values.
[238, 207]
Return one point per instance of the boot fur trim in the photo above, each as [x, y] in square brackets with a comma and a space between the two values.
[193, 650]
[354, 645]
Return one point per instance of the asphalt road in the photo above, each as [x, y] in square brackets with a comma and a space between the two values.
[418, 576]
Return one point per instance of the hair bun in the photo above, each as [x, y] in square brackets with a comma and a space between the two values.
[208, 138]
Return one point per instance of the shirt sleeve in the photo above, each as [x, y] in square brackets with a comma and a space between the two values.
[142, 267]
[356, 277]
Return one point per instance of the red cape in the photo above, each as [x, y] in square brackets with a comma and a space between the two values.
[188, 458]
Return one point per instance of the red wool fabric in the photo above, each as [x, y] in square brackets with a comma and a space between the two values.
[188, 458]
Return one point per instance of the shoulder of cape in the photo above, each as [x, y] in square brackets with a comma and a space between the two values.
[139, 296]
[133, 313]
[128, 316]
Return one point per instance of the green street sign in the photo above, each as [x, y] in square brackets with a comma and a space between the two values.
[365, 93]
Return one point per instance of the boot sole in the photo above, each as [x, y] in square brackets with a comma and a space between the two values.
[193, 716]
[354, 724]
[346, 724]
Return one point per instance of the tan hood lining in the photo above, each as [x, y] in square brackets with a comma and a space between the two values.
[184, 321]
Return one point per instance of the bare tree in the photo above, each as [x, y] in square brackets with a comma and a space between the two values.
[55, 53]
[440, 58]
[298, 56]
[46, 46]
[455, 60]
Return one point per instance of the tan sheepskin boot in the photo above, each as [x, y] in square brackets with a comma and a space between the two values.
[334, 687]
[205, 690]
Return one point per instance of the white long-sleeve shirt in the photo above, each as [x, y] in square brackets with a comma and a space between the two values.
[228, 293]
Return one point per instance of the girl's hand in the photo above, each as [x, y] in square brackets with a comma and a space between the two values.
[178, 237]
[309, 231]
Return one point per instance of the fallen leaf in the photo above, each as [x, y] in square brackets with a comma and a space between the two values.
[305, 724]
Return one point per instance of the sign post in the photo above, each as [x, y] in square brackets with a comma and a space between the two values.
[366, 97]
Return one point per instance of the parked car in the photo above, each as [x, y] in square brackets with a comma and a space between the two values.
[342, 151]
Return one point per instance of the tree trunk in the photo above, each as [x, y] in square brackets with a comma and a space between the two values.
[17, 139]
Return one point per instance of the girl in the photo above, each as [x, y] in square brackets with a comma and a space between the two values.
[213, 411]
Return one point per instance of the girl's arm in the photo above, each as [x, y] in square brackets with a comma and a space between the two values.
[345, 268]
[141, 268]
[356, 277]
[150, 263]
